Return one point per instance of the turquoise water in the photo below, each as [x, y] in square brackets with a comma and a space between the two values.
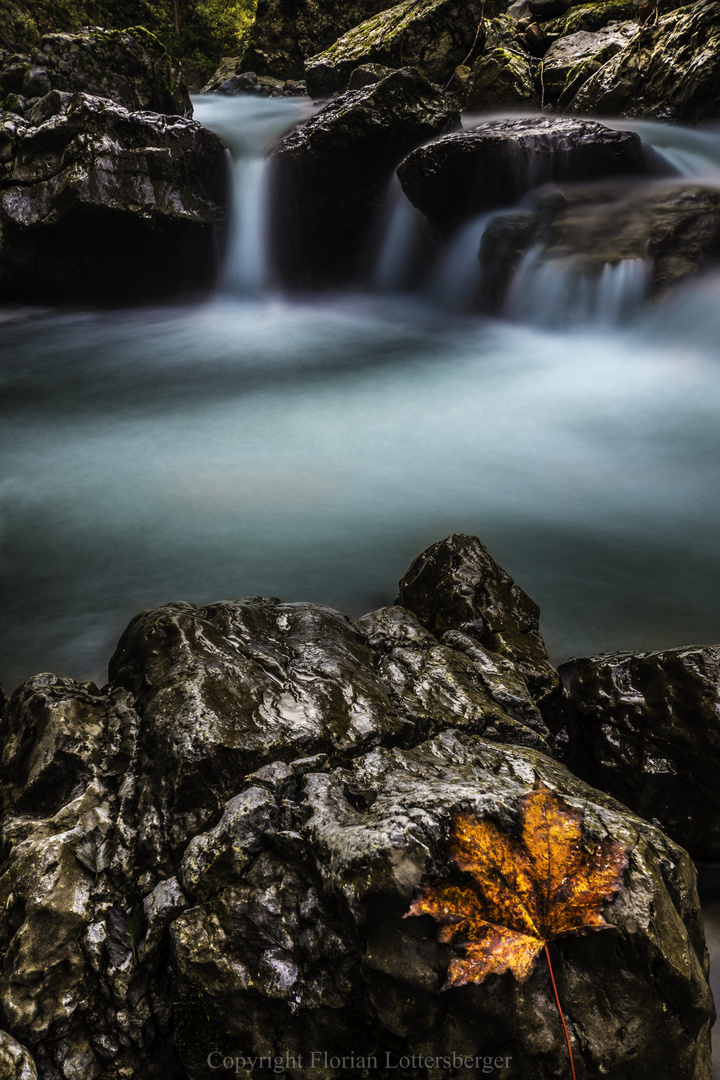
[310, 448]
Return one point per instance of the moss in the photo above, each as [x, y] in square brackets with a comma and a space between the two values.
[197, 1030]
[592, 17]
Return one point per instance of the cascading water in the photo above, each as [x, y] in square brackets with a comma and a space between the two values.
[249, 126]
[258, 444]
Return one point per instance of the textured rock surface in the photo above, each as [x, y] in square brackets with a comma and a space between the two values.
[673, 228]
[331, 174]
[671, 71]
[648, 726]
[15, 1061]
[285, 33]
[497, 162]
[580, 53]
[103, 204]
[432, 35]
[214, 852]
[456, 587]
[130, 67]
[503, 76]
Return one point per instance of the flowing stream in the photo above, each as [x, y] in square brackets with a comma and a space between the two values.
[310, 447]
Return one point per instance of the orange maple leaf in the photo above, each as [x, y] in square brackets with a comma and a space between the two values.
[523, 891]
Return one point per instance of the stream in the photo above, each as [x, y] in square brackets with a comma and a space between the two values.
[309, 447]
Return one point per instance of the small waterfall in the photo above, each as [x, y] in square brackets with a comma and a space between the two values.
[401, 248]
[250, 126]
[555, 294]
[457, 279]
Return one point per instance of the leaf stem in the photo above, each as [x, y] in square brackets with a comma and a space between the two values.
[557, 1001]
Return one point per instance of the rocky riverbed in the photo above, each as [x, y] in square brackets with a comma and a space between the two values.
[209, 858]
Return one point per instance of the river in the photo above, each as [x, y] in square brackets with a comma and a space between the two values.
[309, 447]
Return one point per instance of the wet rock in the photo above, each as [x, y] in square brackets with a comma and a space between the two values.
[592, 17]
[92, 178]
[639, 81]
[284, 33]
[130, 67]
[497, 162]
[433, 36]
[213, 854]
[501, 79]
[457, 587]
[669, 230]
[307, 948]
[331, 174]
[366, 75]
[569, 56]
[15, 1061]
[647, 727]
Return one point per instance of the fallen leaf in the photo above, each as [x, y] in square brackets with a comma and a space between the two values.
[523, 891]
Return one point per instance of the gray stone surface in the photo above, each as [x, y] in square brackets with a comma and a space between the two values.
[100, 203]
[671, 71]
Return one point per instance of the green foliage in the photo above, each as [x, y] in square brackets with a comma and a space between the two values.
[197, 31]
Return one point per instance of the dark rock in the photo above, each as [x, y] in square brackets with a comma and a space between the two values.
[331, 174]
[456, 586]
[505, 241]
[548, 9]
[497, 162]
[366, 75]
[102, 204]
[285, 33]
[536, 39]
[568, 55]
[639, 81]
[130, 67]
[647, 727]
[433, 36]
[215, 851]
[672, 228]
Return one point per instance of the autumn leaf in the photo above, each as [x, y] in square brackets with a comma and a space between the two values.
[523, 891]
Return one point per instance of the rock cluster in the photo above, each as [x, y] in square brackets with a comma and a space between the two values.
[130, 67]
[108, 192]
[331, 174]
[209, 859]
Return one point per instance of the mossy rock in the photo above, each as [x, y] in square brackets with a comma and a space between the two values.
[434, 36]
[591, 17]
[501, 79]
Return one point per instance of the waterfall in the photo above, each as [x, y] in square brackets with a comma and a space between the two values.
[553, 293]
[249, 126]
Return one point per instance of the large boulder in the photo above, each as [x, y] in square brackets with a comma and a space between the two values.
[646, 727]
[130, 67]
[432, 35]
[499, 161]
[209, 859]
[98, 203]
[663, 232]
[671, 71]
[331, 174]
[285, 33]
